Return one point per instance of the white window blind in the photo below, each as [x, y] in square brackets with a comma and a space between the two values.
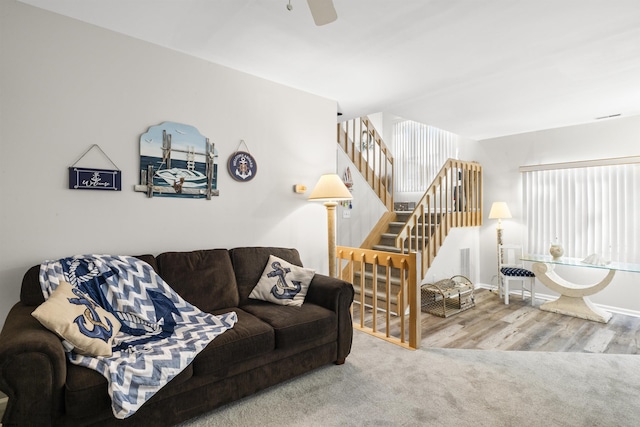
[420, 151]
[590, 210]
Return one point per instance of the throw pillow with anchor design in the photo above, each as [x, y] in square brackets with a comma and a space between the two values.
[85, 327]
[283, 283]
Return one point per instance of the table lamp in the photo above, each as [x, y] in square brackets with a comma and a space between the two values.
[330, 189]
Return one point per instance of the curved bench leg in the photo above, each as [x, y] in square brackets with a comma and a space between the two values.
[573, 300]
[580, 307]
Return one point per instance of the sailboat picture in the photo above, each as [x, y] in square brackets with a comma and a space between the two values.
[177, 161]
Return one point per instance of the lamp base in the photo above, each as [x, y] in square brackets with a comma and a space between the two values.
[499, 259]
[331, 232]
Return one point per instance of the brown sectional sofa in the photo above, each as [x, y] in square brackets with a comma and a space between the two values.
[269, 344]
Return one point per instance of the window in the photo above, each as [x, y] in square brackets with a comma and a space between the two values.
[420, 151]
[590, 207]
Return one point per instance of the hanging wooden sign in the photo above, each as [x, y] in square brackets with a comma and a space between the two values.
[242, 165]
[94, 179]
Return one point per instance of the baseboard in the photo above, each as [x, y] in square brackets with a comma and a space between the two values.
[547, 297]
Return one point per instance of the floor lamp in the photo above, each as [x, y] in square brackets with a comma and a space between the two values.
[330, 189]
[499, 210]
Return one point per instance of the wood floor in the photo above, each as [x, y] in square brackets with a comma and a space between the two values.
[492, 325]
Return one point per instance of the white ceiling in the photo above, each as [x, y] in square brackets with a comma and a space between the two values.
[479, 68]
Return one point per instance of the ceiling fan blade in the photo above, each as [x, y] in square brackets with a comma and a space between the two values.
[323, 11]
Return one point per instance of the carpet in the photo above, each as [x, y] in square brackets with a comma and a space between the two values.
[385, 385]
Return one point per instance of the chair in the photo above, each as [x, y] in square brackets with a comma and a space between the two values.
[512, 269]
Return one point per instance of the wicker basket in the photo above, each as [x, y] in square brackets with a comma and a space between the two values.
[447, 297]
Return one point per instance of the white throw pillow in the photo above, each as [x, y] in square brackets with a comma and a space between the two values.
[283, 283]
[78, 320]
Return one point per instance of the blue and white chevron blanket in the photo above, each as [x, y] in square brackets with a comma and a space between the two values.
[160, 335]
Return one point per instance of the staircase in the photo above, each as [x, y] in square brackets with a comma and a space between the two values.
[454, 199]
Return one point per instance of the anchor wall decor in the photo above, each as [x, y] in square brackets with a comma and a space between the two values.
[242, 165]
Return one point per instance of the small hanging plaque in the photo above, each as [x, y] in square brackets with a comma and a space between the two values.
[92, 178]
[242, 165]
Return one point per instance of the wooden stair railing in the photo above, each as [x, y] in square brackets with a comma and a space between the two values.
[367, 151]
[353, 260]
[454, 199]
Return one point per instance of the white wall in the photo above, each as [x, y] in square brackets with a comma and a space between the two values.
[66, 85]
[448, 261]
[501, 158]
[366, 208]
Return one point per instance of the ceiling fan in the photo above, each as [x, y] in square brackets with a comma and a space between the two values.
[323, 11]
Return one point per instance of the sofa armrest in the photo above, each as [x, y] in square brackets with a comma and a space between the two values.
[335, 295]
[32, 369]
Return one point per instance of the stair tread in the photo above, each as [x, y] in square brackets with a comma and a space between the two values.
[380, 295]
[401, 224]
[394, 279]
[385, 248]
[396, 235]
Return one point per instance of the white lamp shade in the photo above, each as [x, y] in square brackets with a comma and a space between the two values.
[330, 188]
[499, 210]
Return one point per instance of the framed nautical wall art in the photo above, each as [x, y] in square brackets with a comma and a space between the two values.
[242, 165]
[177, 161]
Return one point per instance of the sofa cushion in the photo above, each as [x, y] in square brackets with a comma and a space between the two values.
[250, 337]
[204, 278]
[249, 262]
[282, 283]
[86, 390]
[293, 325]
[78, 320]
